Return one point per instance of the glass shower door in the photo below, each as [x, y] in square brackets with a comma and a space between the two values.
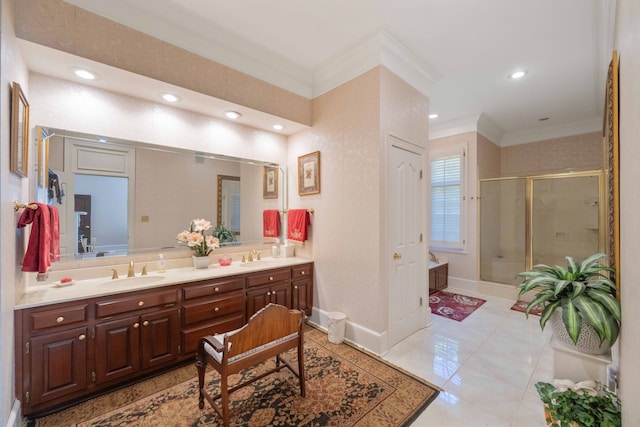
[503, 228]
[565, 218]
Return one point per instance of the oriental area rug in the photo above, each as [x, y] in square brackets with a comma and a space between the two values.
[453, 306]
[345, 387]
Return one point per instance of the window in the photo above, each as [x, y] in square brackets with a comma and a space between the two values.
[448, 213]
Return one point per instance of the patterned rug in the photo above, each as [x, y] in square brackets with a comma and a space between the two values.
[521, 306]
[345, 387]
[453, 306]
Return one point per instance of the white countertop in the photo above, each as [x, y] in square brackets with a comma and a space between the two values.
[48, 293]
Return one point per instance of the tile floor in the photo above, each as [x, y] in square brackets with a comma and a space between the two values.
[487, 366]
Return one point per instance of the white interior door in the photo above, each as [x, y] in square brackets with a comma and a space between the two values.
[407, 286]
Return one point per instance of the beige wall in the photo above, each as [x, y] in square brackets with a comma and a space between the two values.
[627, 42]
[578, 152]
[489, 155]
[13, 188]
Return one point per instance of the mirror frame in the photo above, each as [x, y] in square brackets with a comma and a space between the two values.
[611, 164]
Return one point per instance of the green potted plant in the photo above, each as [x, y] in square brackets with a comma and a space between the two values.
[587, 403]
[580, 300]
[224, 234]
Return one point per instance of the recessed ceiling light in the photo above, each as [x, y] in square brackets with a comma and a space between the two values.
[518, 74]
[170, 97]
[84, 73]
[433, 116]
[232, 114]
[278, 127]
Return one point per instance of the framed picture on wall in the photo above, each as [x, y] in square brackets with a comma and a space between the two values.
[19, 131]
[309, 174]
[270, 182]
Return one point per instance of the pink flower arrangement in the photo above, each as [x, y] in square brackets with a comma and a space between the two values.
[196, 240]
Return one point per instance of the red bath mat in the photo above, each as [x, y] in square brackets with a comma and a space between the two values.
[453, 306]
[522, 307]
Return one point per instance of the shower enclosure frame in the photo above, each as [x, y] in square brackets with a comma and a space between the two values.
[529, 188]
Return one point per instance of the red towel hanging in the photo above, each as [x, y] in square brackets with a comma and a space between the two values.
[271, 223]
[298, 222]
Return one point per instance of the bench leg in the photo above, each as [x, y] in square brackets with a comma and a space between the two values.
[301, 368]
[201, 365]
[224, 396]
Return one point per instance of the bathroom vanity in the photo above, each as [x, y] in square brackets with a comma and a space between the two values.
[438, 276]
[77, 341]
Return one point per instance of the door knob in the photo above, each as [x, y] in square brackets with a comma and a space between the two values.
[396, 256]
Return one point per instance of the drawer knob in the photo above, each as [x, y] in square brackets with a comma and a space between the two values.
[82, 337]
[136, 325]
[302, 273]
[270, 277]
[216, 289]
[269, 293]
[295, 287]
[140, 303]
[217, 309]
[60, 319]
[145, 323]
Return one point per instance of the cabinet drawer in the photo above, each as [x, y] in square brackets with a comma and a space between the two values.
[301, 272]
[213, 287]
[191, 336]
[58, 317]
[213, 308]
[269, 277]
[137, 302]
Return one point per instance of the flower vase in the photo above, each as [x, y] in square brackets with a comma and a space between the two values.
[200, 261]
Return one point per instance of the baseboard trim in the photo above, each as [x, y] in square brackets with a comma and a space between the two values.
[356, 334]
[15, 416]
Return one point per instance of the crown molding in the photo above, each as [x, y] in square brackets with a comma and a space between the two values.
[490, 129]
[577, 128]
[454, 127]
[381, 48]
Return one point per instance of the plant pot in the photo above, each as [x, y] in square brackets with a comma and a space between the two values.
[200, 261]
[588, 340]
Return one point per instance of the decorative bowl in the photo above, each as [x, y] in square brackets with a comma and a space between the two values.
[225, 260]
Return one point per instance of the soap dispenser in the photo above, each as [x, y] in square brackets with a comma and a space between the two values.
[161, 265]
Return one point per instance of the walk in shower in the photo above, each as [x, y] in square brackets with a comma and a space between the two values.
[533, 220]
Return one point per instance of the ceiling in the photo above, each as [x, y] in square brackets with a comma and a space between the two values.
[461, 51]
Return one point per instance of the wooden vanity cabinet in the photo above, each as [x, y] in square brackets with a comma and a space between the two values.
[68, 351]
[438, 278]
[135, 333]
[273, 286]
[302, 288]
[52, 350]
[211, 307]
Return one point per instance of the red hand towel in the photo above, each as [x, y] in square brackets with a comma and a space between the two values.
[55, 233]
[38, 255]
[271, 223]
[298, 221]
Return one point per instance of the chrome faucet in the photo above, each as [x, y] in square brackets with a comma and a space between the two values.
[131, 273]
[251, 253]
[433, 257]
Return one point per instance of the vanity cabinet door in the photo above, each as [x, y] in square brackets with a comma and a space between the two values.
[58, 365]
[301, 295]
[159, 335]
[260, 297]
[302, 288]
[117, 348]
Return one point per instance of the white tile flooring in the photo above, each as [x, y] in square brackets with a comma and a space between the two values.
[487, 366]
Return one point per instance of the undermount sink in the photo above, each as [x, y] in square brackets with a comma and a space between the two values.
[257, 263]
[133, 281]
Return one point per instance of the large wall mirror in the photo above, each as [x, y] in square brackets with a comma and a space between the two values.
[118, 198]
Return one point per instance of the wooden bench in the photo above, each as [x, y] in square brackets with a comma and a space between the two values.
[270, 332]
